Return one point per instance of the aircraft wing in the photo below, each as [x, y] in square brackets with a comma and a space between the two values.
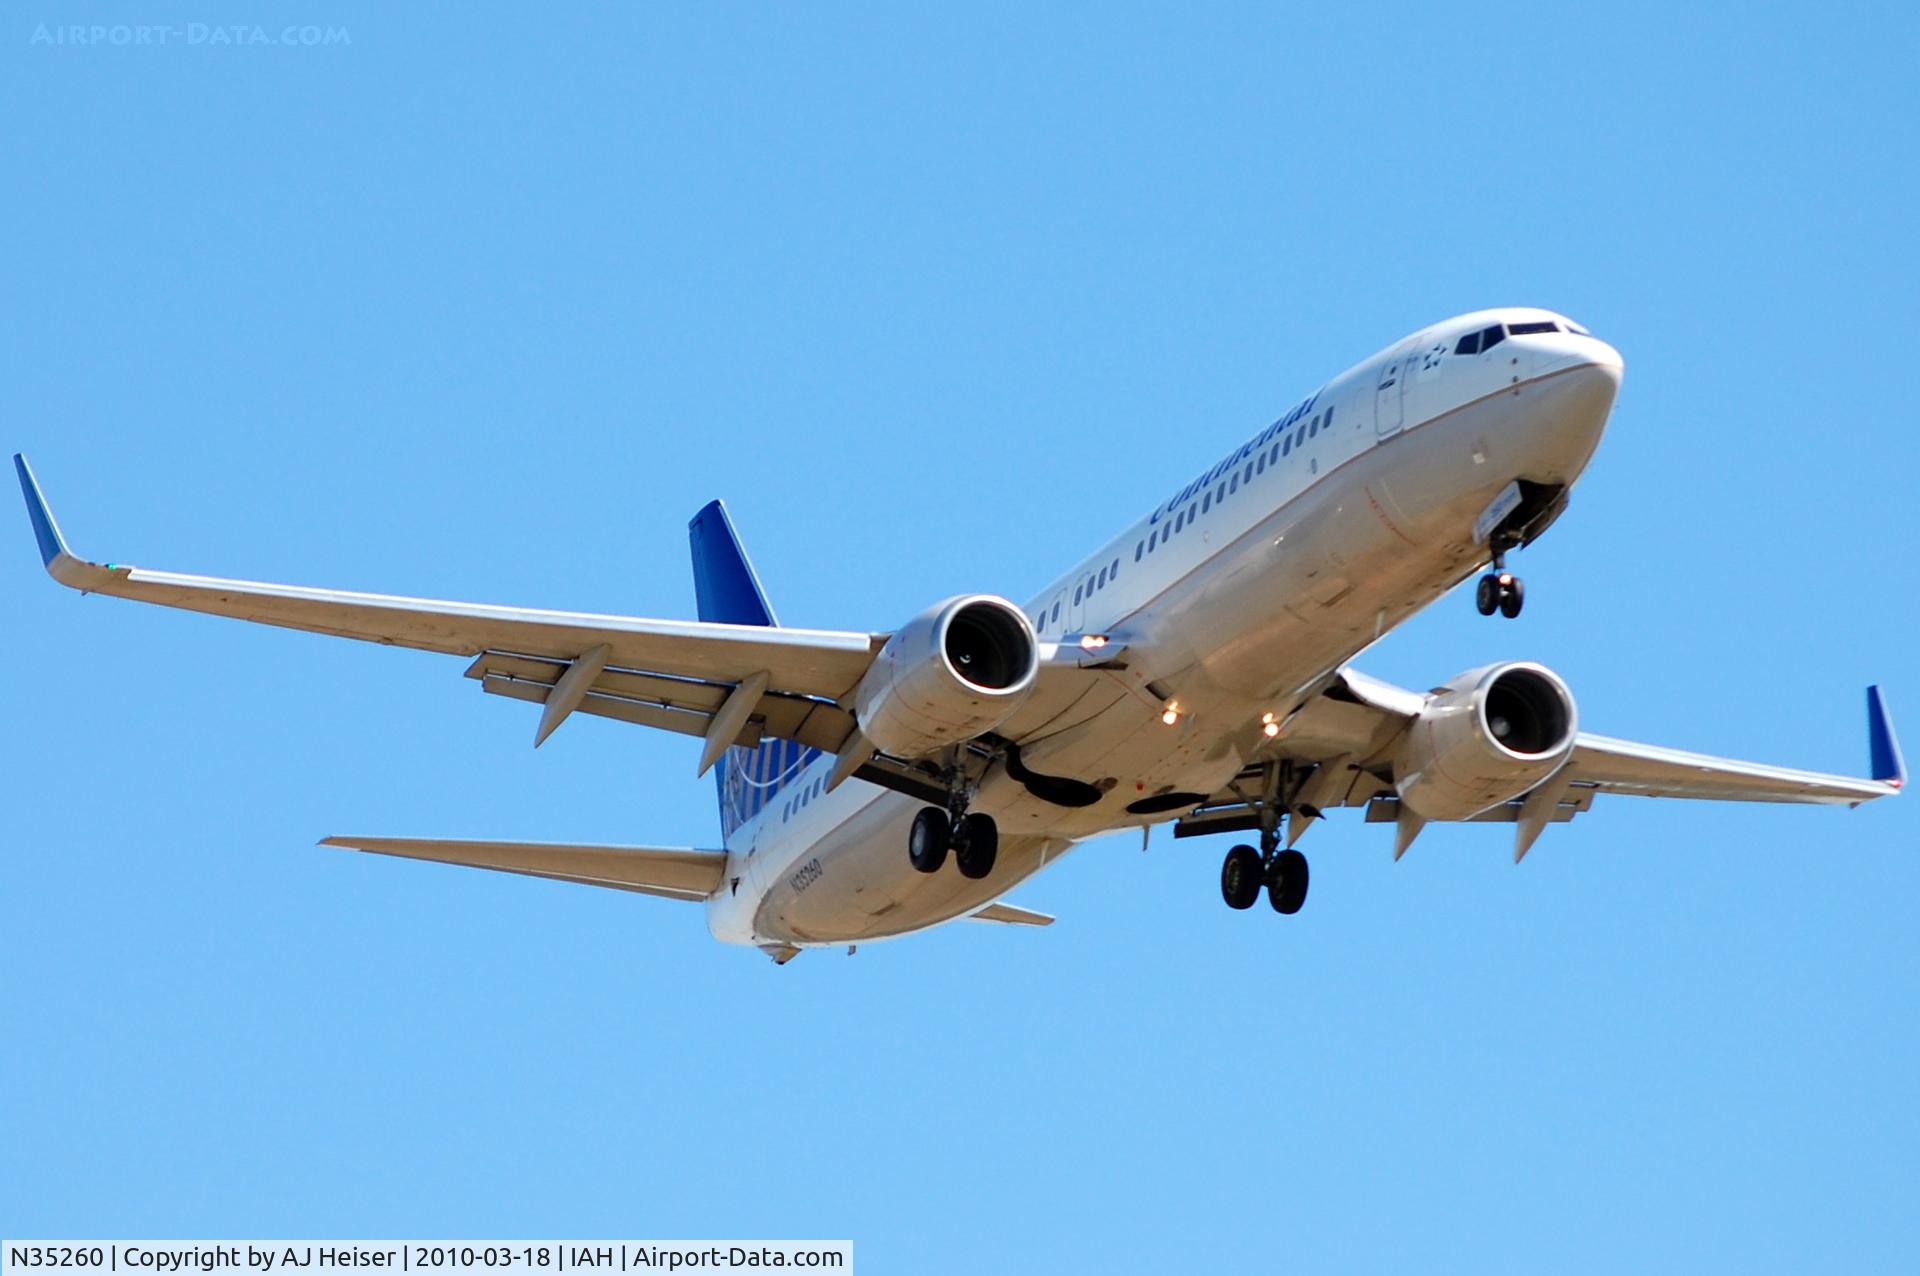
[801, 661]
[674, 675]
[1647, 770]
[669, 872]
[671, 674]
[1345, 738]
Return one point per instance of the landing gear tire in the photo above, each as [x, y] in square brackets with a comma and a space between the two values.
[977, 846]
[1240, 877]
[1502, 592]
[1287, 881]
[928, 841]
[1514, 597]
[1486, 596]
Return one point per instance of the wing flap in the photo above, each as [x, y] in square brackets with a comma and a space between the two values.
[671, 704]
[665, 871]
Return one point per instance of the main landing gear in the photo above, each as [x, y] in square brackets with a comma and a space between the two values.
[973, 839]
[1500, 590]
[1281, 873]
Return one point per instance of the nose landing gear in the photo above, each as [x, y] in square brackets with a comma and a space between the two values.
[1516, 518]
[1500, 590]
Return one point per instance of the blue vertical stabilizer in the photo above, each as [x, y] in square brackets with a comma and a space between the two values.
[724, 586]
[726, 591]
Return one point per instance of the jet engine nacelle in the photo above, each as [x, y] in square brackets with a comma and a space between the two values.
[1487, 737]
[954, 672]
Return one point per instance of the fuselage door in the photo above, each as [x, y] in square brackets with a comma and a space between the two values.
[1389, 392]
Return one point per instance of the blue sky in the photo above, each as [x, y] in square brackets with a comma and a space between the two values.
[485, 307]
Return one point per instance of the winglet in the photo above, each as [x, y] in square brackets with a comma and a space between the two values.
[45, 530]
[1888, 766]
[62, 563]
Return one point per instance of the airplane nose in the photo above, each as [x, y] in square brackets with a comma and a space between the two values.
[1583, 352]
[1577, 388]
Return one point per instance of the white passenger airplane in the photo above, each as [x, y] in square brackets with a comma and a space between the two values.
[1193, 668]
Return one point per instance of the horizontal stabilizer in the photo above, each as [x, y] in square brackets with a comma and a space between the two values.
[669, 872]
[1011, 916]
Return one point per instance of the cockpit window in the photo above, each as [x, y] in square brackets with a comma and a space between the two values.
[1487, 338]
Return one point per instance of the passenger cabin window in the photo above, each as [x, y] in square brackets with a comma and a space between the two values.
[1076, 594]
[1138, 550]
[1532, 329]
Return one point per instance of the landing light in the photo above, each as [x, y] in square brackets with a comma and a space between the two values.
[1092, 642]
[1171, 714]
[1268, 727]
